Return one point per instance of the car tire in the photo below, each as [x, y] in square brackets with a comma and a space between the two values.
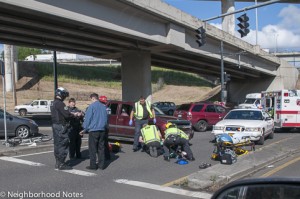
[201, 126]
[271, 135]
[22, 112]
[23, 131]
[170, 112]
[261, 140]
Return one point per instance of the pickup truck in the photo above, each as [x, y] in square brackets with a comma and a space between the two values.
[34, 107]
[119, 121]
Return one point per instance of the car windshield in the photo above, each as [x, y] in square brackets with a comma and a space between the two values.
[244, 115]
[249, 101]
[184, 107]
[158, 111]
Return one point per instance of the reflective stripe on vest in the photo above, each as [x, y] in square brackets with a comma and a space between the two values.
[176, 131]
[139, 111]
[150, 134]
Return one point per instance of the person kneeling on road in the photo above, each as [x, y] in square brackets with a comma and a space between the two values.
[175, 137]
[151, 137]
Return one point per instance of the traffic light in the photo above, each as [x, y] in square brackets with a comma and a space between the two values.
[243, 19]
[201, 36]
[227, 77]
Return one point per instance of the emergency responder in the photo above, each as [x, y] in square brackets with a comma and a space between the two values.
[141, 111]
[151, 138]
[103, 100]
[175, 137]
[60, 116]
[94, 124]
[74, 130]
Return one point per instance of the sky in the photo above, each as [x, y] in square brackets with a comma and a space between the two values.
[278, 24]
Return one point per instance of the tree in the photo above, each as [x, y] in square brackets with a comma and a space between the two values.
[24, 52]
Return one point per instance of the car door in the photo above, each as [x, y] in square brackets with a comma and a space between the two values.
[123, 118]
[9, 127]
[33, 108]
[43, 107]
[112, 118]
[211, 114]
[269, 123]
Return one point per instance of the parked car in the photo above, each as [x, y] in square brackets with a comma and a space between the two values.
[36, 106]
[119, 120]
[166, 107]
[201, 114]
[255, 123]
[17, 126]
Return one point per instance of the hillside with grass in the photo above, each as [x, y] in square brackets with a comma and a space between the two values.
[36, 81]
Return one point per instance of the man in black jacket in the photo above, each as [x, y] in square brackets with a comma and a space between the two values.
[60, 116]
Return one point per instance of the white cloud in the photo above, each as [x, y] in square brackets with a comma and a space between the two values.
[282, 36]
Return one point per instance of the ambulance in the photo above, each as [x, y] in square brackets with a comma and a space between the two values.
[283, 106]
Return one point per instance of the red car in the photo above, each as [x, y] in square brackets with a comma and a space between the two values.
[201, 114]
[119, 120]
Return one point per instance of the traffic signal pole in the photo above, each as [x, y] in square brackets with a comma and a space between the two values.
[245, 9]
[222, 75]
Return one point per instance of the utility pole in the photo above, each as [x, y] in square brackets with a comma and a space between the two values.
[223, 91]
[55, 71]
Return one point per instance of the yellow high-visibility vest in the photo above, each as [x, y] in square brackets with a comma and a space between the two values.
[139, 111]
[176, 131]
[150, 134]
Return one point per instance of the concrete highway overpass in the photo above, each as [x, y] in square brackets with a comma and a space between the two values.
[141, 34]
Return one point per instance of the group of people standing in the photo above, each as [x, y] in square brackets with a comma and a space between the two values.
[69, 124]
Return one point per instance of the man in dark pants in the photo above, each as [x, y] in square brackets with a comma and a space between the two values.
[94, 124]
[174, 137]
[103, 100]
[60, 116]
[74, 130]
[141, 111]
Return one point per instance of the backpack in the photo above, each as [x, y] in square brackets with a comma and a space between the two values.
[228, 156]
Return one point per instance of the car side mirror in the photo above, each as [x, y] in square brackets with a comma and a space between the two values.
[260, 188]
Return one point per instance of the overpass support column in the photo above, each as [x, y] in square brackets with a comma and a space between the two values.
[228, 23]
[136, 75]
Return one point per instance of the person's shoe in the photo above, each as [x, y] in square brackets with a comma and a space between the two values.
[64, 167]
[134, 149]
[92, 168]
[153, 152]
[166, 158]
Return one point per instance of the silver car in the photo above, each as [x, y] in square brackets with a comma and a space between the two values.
[17, 126]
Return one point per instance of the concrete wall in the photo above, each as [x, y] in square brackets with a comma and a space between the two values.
[286, 78]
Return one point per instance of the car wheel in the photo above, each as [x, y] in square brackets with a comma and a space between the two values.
[271, 135]
[23, 112]
[201, 126]
[170, 112]
[261, 141]
[23, 132]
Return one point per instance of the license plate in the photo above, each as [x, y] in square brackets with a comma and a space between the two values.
[179, 115]
[230, 134]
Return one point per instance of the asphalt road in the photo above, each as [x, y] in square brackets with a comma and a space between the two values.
[129, 174]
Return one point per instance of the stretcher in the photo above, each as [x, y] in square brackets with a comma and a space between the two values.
[237, 145]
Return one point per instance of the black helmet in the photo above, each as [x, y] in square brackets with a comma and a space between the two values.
[62, 93]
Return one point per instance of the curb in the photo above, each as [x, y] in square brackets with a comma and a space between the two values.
[21, 150]
[246, 165]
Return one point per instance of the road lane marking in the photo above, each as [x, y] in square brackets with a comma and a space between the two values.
[78, 172]
[273, 171]
[12, 159]
[145, 185]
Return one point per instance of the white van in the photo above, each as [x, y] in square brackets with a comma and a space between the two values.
[253, 100]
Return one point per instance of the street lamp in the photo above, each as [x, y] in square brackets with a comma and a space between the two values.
[275, 35]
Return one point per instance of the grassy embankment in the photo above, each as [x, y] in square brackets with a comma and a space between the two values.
[110, 76]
